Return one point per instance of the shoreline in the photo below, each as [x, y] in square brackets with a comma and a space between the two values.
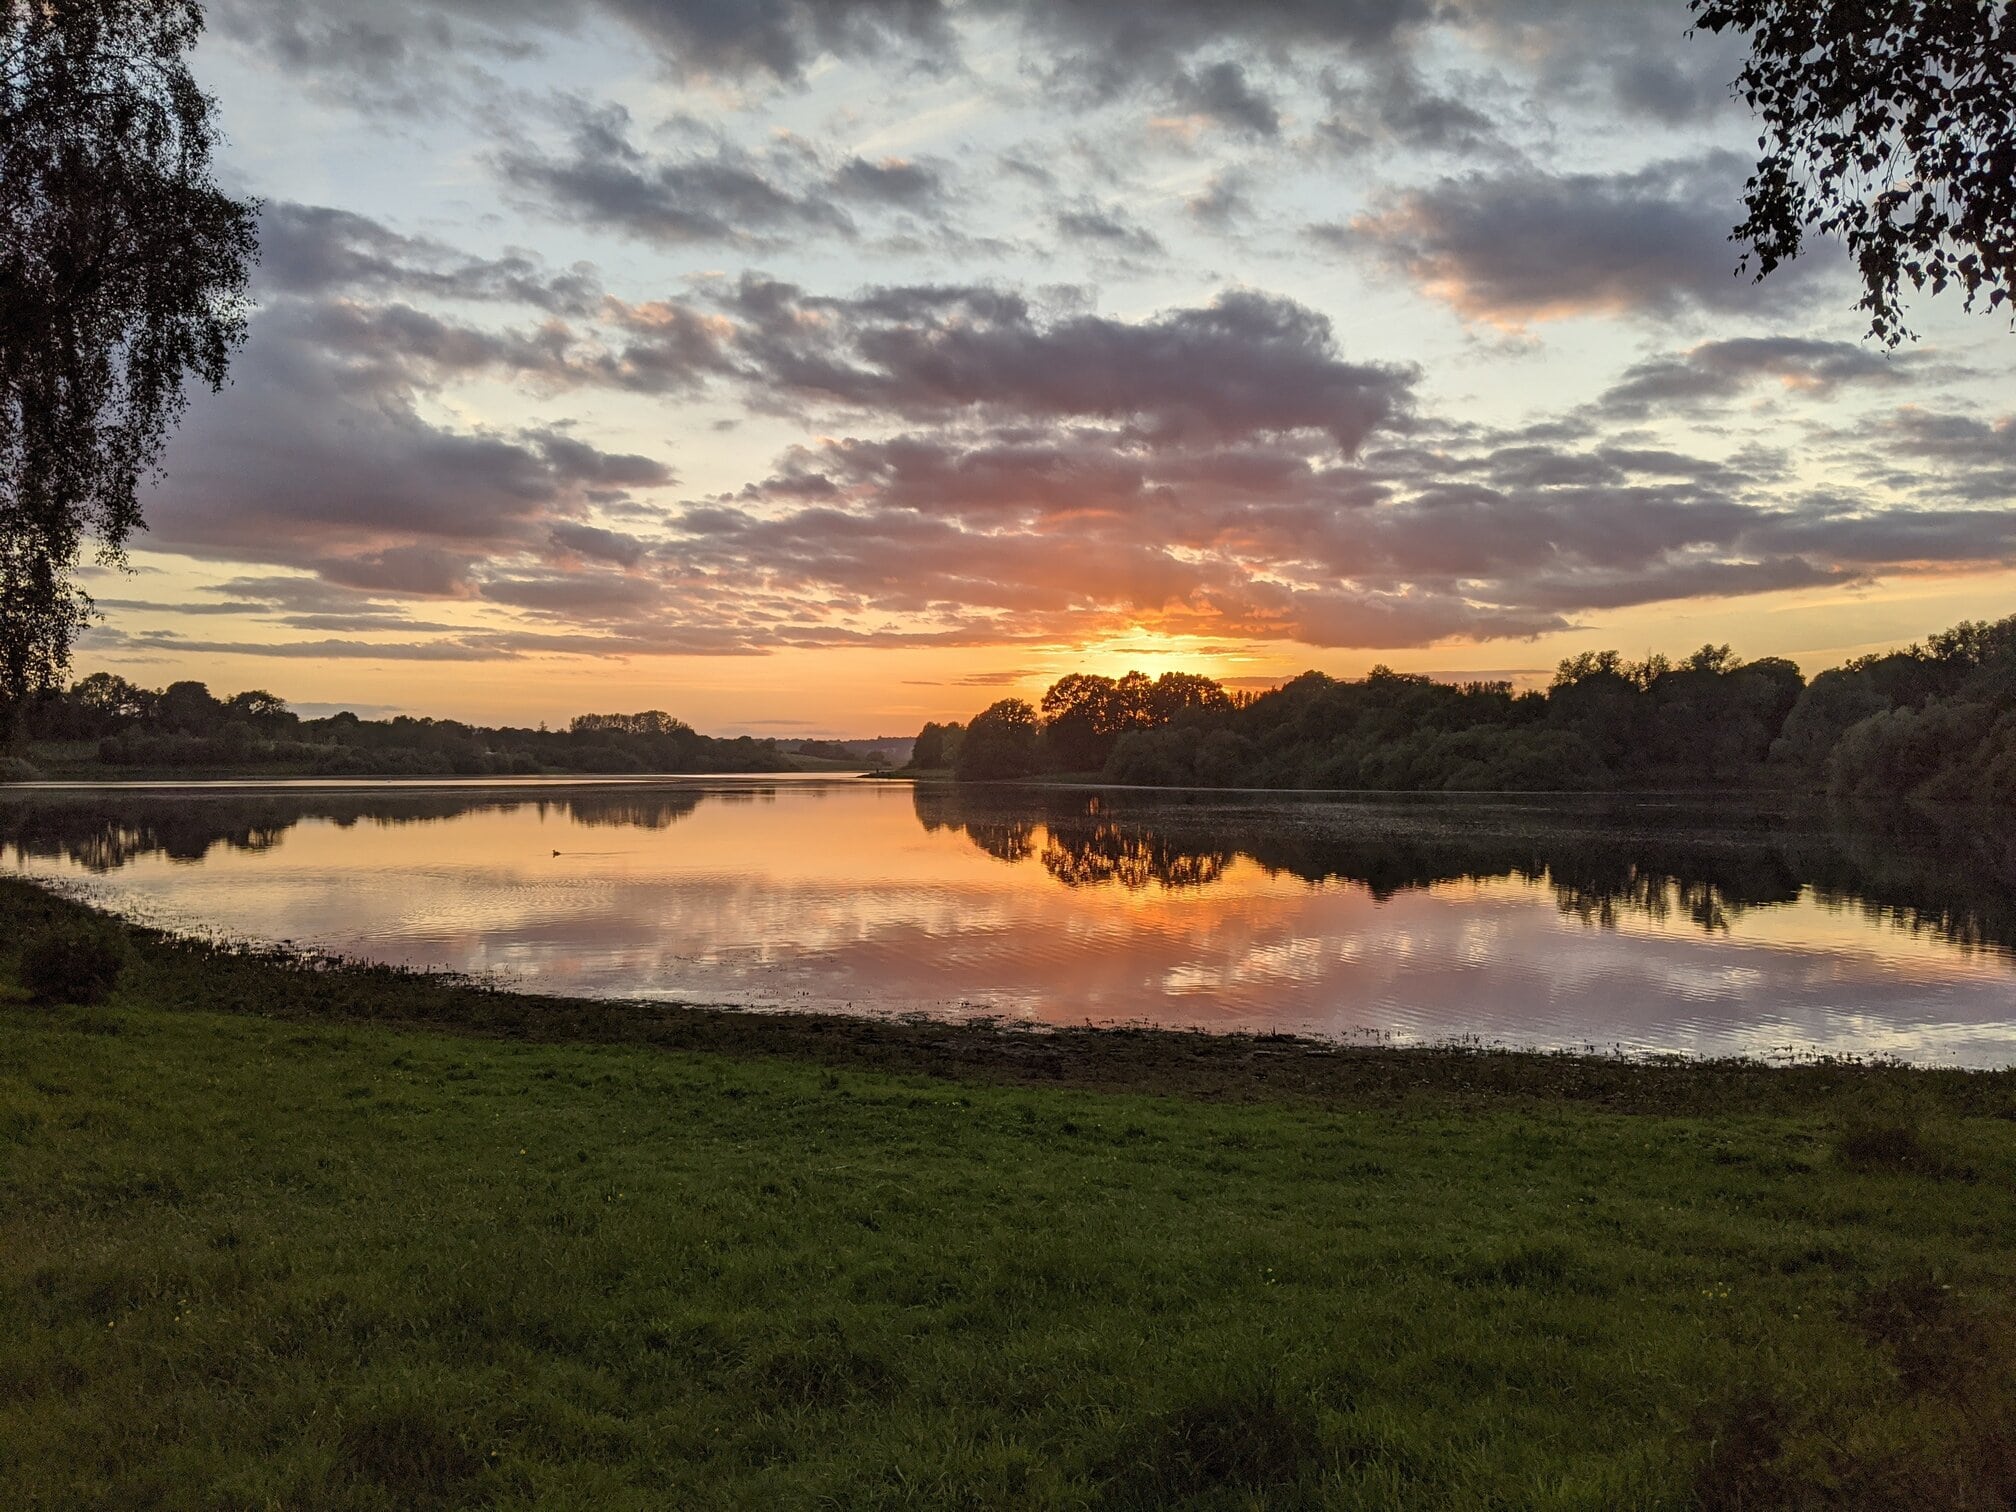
[272, 1226]
[180, 972]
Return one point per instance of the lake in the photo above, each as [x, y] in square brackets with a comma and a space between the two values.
[1634, 924]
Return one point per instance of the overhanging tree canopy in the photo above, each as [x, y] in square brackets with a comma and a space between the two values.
[1892, 125]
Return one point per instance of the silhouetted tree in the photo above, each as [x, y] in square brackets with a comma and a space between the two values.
[1082, 718]
[1178, 693]
[188, 708]
[1887, 123]
[935, 746]
[122, 269]
[1000, 742]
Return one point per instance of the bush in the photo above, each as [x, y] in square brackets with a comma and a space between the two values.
[18, 769]
[72, 961]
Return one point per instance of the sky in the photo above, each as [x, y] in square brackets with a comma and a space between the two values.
[823, 368]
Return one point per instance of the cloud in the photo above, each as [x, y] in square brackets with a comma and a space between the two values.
[1394, 106]
[1107, 46]
[1523, 245]
[891, 181]
[1221, 92]
[312, 460]
[1608, 56]
[315, 250]
[1473, 536]
[1195, 55]
[331, 649]
[1222, 202]
[1091, 225]
[598, 544]
[723, 194]
[1245, 364]
[392, 50]
[654, 347]
[1721, 370]
[1953, 456]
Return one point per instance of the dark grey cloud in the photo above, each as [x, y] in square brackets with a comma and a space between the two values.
[311, 461]
[599, 544]
[295, 595]
[900, 182]
[1953, 456]
[782, 38]
[1394, 106]
[1096, 226]
[1223, 92]
[1108, 47]
[714, 191]
[395, 345]
[392, 49]
[294, 603]
[1223, 202]
[655, 347]
[721, 194]
[1524, 245]
[316, 250]
[1879, 539]
[1103, 47]
[1720, 370]
[1630, 56]
[1634, 57]
[1245, 364]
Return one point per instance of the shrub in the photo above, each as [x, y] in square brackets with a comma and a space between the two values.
[19, 769]
[72, 961]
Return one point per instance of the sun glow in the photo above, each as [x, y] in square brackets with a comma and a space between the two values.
[1150, 651]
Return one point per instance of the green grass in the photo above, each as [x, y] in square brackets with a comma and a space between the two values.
[313, 1261]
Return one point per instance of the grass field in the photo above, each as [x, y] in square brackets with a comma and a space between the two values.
[273, 1236]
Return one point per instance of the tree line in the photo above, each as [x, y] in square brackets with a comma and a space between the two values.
[1935, 720]
[186, 726]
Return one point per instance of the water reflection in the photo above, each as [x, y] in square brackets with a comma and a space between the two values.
[1601, 858]
[103, 831]
[1667, 925]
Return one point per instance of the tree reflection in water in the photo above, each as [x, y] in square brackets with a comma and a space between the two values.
[102, 831]
[1605, 861]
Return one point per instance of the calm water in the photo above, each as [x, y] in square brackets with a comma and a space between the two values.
[1638, 924]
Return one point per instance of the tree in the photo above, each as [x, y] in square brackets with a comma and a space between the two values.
[189, 708]
[1082, 717]
[1000, 741]
[1178, 693]
[936, 746]
[114, 700]
[1887, 123]
[124, 269]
